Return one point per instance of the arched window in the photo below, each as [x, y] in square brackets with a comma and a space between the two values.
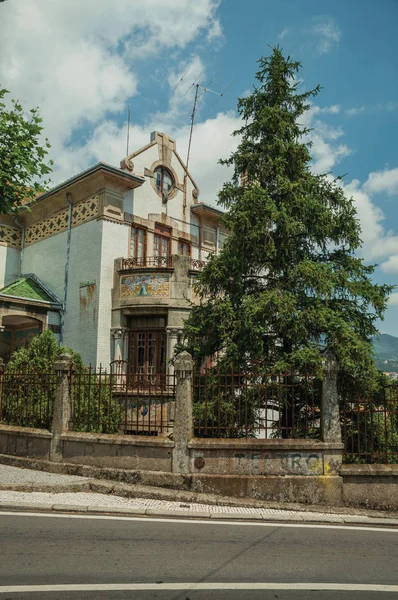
[163, 180]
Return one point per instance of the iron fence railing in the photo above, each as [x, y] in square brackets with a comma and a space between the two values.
[116, 401]
[370, 428]
[147, 261]
[255, 404]
[27, 397]
[159, 262]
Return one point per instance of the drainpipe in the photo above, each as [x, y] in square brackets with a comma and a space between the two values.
[217, 238]
[67, 198]
[22, 228]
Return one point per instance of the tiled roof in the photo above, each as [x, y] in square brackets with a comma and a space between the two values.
[27, 288]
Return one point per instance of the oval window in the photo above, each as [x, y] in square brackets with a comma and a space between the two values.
[163, 180]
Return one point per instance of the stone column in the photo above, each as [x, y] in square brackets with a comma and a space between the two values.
[119, 336]
[62, 405]
[183, 423]
[173, 334]
[330, 413]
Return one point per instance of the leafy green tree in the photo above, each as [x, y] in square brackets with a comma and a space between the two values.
[288, 283]
[22, 155]
[29, 390]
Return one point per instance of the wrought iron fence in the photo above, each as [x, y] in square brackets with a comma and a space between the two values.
[116, 401]
[27, 397]
[159, 261]
[255, 404]
[147, 261]
[370, 428]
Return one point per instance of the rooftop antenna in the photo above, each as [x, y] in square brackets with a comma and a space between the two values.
[204, 90]
[128, 129]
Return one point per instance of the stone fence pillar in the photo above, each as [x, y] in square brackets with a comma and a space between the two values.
[183, 421]
[62, 405]
[330, 413]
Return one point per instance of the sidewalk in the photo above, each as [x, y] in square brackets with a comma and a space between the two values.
[26, 489]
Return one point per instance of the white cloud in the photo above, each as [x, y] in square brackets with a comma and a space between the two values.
[325, 153]
[393, 299]
[325, 34]
[283, 33]
[391, 264]
[76, 60]
[378, 242]
[355, 110]
[181, 82]
[383, 181]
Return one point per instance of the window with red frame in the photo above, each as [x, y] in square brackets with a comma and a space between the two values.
[184, 248]
[137, 244]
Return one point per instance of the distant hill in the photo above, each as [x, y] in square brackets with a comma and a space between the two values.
[386, 347]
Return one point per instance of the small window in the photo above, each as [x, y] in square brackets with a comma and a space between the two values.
[184, 248]
[137, 243]
[163, 180]
[208, 236]
[161, 246]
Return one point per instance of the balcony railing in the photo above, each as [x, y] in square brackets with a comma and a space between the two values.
[148, 261]
[159, 262]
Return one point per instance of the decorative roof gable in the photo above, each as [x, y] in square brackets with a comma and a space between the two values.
[30, 288]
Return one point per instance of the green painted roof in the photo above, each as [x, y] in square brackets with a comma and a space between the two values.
[27, 288]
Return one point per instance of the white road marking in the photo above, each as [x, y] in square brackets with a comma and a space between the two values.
[103, 587]
[210, 522]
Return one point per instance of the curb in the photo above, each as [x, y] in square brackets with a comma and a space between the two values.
[194, 515]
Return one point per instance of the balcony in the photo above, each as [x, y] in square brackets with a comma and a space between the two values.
[160, 262]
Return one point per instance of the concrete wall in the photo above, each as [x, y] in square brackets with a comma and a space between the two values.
[264, 457]
[9, 265]
[371, 486]
[46, 259]
[115, 241]
[288, 471]
[82, 306]
[25, 441]
[122, 452]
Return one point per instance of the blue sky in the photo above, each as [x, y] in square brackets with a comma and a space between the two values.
[83, 63]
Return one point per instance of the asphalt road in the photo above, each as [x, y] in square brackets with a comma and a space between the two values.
[149, 555]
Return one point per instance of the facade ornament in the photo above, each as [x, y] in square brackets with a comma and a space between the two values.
[174, 331]
[118, 333]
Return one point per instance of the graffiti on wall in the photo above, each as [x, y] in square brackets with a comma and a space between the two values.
[132, 286]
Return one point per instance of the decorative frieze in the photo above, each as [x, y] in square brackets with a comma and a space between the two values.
[10, 236]
[82, 212]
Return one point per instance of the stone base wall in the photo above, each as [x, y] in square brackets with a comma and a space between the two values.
[310, 458]
[288, 471]
[285, 489]
[25, 441]
[120, 452]
[371, 486]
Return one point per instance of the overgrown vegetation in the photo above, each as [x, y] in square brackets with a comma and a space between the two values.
[23, 155]
[29, 390]
[288, 283]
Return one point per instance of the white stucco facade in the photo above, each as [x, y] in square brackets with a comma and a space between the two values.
[124, 299]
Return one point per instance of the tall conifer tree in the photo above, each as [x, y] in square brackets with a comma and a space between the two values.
[288, 283]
